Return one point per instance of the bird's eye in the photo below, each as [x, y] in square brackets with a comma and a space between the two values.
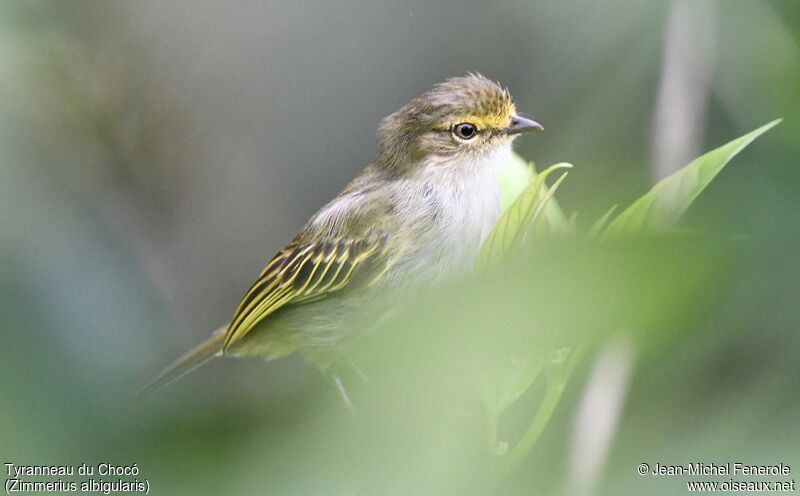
[465, 131]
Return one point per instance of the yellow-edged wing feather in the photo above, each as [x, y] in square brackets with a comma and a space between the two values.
[304, 272]
[300, 273]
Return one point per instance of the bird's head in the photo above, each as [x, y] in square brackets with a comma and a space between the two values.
[459, 119]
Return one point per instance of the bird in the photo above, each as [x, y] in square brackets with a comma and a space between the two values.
[414, 217]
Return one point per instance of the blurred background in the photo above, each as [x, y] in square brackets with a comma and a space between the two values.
[154, 155]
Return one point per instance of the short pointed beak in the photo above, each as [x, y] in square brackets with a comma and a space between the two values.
[522, 125]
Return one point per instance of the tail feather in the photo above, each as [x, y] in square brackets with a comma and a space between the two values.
[207, 350]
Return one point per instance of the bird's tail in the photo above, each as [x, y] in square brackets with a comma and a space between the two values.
[208, 349]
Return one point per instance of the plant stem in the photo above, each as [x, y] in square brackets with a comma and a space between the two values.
[558, 372]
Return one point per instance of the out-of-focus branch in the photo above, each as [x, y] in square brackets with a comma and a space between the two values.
[689, 46]
[598, 416]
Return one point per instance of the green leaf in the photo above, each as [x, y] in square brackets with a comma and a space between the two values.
[514, 178]
[553, 214]
[598, 226]
[663, 205]
[506, 383]
[532, 203]
[558, 373]
[545, 218]
[510, 379]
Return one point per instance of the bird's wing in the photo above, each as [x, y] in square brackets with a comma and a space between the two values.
[308, 271]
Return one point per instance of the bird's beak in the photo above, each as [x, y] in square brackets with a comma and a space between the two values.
[521, 125]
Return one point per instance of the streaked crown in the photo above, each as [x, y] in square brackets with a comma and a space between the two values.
[472, 97]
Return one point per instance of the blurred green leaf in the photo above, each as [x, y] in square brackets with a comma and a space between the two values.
[520, 216]
[547, 218]
[534, 213]
[514, 178]
[509, 382]
[553, 215]
[601, 223]
[663, 205]
[558, 372]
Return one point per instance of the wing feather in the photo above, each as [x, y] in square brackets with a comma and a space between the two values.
[306, 272]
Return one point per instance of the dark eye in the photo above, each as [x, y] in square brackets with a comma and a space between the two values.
[465, 131]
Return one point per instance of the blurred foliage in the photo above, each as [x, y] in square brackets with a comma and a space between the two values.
[154, 154]
[657, 211]
[534, 206]
[663, 206]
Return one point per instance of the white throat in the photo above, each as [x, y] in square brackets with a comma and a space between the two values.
[458, 203]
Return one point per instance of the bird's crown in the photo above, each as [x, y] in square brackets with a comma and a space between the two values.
[460, 117]
[472, 98]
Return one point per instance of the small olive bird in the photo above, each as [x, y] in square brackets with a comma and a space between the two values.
[416, 215]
